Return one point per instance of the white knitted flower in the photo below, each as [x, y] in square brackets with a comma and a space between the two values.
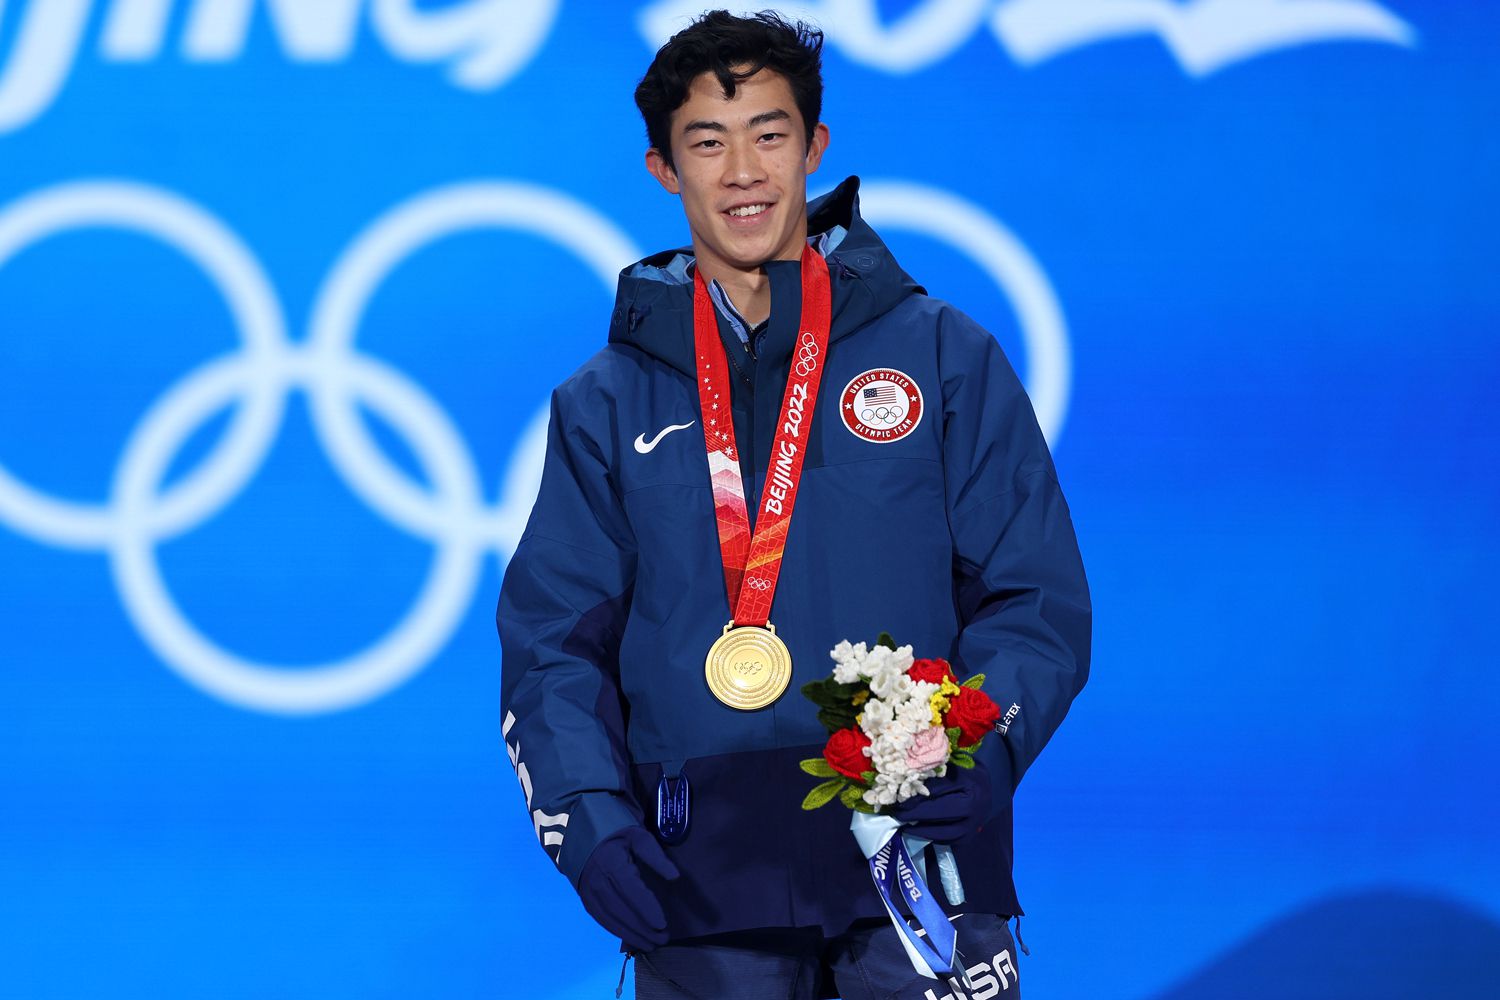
[848, 661]
[875, 715]
[915, 710]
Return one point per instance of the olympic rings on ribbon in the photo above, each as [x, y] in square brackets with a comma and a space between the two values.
[807, 355]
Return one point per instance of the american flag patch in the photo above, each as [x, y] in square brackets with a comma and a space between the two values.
[881, 394]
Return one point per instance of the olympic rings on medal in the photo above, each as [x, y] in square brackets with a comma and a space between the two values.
[255, 383]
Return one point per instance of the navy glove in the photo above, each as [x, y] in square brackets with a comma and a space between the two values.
[614, 893]
[956, 805]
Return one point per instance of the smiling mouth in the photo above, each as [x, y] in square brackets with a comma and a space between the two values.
[747, 211]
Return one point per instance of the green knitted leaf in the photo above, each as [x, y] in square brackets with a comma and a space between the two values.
[823, 794]
[830, 695]
[834, 719]
[818, 768]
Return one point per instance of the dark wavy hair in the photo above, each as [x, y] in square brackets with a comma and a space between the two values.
[719, 43]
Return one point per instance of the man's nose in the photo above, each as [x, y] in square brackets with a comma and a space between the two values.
[742, 168]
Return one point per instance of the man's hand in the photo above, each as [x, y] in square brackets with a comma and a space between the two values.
[614, 893]
[957, 805]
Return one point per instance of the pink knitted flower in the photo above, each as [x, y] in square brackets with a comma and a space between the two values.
[929, 748]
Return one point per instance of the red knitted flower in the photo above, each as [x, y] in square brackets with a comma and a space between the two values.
[974, 713]
[845, 755]
[931, 671]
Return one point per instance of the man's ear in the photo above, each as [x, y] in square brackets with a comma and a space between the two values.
[659, 168]
[816, 146]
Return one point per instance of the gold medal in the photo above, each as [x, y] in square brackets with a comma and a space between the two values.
[748, 667]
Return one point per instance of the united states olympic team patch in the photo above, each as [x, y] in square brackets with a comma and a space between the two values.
[881, 405]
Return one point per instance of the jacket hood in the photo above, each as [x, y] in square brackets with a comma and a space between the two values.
[654, 304]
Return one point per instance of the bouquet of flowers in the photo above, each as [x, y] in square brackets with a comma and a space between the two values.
[895, 722]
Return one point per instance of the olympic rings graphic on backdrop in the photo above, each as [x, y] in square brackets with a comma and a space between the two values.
[338, 380]
[979, 236]
[258, 379]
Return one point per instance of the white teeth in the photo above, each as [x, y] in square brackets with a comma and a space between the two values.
[748, 210]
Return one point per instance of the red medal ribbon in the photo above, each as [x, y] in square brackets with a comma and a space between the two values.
[751, 564]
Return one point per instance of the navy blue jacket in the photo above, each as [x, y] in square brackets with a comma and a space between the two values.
[954, 538]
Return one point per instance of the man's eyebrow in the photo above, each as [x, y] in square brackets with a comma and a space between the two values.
[704, 125]
[768, 116]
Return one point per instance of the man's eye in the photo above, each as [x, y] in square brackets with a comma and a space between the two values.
[772, 135]
[708, 143]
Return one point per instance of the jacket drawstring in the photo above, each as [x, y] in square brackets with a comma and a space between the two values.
[620, 986]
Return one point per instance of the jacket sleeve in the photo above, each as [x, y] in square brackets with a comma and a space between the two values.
[1022, 597]
[561, 613]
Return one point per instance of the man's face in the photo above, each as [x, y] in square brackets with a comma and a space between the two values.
[740, 167]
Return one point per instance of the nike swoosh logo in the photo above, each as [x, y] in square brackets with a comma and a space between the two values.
[645, 447]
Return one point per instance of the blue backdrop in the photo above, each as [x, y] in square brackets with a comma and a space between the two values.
[284, 286]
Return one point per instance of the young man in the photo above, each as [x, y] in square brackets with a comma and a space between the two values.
[780, 387]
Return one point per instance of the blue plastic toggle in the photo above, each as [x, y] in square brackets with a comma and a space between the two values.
[673, 808]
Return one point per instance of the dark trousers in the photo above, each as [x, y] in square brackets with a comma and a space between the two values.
[865, 963]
